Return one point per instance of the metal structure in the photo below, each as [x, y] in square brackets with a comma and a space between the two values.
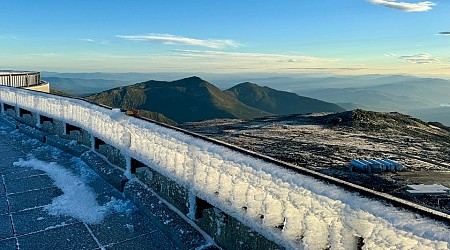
[20, 78]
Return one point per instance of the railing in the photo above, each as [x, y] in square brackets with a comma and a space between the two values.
[292, 209]
[18, 79]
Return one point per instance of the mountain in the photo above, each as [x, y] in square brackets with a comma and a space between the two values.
[421, 97]
[188, 99]
[440, 114]
[156, 117]
[369, 98]
[391, 94]
[82, 87]
[279, 102]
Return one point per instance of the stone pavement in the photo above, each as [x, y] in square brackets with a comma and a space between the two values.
[25, 193]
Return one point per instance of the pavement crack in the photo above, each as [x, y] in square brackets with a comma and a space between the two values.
[93, 236]
[9, 213]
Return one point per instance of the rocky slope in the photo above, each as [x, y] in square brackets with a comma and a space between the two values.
[328, 142]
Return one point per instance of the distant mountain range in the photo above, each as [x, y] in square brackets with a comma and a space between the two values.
[408, 93]
[194, 99]
[425, 98]
[82, 87]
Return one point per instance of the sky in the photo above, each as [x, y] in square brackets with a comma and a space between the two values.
[349, 37]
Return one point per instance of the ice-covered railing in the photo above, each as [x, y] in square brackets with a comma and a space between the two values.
[294, 210]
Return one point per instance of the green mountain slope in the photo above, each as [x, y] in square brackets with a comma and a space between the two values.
[279, 102]
[185, 100]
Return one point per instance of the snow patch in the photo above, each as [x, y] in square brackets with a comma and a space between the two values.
[78, 199]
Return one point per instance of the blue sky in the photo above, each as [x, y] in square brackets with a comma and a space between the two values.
[334, 36]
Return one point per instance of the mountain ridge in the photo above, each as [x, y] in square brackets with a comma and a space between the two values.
[187, 99]
[194, 99]
[280, 102]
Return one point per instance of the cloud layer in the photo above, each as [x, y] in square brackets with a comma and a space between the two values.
[258, 57]
[408, 7]
[172, 39]
[424, 58]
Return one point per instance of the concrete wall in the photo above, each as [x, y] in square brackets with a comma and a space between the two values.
[111, 164]
[42, 87]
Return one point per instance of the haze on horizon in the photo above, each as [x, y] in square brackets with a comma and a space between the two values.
[348, 37]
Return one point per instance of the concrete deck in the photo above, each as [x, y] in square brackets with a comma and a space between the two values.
[24, 193]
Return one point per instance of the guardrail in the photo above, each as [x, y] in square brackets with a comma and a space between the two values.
[294, 210]
[20, 79]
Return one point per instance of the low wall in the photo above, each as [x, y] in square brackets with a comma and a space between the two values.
[42, 87]
[240, 201]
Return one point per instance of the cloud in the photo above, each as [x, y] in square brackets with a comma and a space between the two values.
[243, 56]
[172, 39]
[89, 40]
[408, 7]
[444, 33]
[424, 58]
[337, 68]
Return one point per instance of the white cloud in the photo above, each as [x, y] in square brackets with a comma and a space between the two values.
[172, 39]
[424, 58]
[263, 57]
[408, 7]
[95, 41]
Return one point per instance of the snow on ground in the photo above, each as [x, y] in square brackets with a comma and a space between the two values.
[78, 199]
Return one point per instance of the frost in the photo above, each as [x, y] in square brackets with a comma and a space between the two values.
[129, 227]
[56, 226]
[78, 199]
[294, 210]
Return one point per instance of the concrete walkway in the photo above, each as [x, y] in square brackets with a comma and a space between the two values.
[25, 193]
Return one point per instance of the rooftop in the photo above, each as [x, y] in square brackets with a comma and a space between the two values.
[16, 72]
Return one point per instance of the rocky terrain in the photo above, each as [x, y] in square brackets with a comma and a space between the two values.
[328, 142]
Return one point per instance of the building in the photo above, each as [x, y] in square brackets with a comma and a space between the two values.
[24, 79]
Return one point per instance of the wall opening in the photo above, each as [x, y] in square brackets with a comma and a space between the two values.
[43, 119]
[98, 142]
[7, 106]
[359, 242]
[23, 112]
[136, 164]
[200, 206]
[70, 128]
